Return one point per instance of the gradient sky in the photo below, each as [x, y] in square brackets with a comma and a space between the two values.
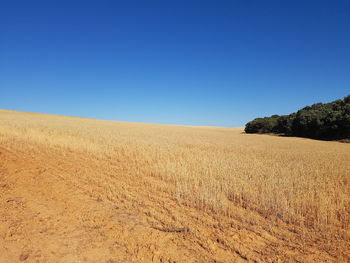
[213, 63]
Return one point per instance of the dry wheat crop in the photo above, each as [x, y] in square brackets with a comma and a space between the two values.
[300, 181]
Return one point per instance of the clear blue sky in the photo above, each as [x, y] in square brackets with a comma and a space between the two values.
[217, 63]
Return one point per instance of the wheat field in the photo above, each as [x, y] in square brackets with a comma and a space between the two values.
[258, 180]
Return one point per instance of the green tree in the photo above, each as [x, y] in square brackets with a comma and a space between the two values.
[328, 121]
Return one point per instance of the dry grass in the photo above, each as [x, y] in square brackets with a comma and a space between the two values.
[300, 181]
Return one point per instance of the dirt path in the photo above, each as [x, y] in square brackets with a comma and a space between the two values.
[63, 207]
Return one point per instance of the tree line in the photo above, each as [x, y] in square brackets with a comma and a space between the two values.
[326, 121]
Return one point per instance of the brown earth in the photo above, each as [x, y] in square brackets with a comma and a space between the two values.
[54, 207]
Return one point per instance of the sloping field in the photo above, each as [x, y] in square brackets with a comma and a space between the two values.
[83, 190]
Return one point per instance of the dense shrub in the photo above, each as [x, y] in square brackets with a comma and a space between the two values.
[329, 121]
[262, 125]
